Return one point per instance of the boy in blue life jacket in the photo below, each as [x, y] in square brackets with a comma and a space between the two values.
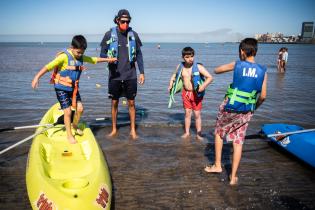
[68, 66]
[195, 78]
[241, 100]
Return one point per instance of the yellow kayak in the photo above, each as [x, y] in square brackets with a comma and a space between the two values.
[64, 176]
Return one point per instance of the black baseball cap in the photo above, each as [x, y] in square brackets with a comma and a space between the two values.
[123, 13]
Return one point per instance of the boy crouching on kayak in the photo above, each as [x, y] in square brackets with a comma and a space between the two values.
[195, 79]
[68, 66]
[241, 100]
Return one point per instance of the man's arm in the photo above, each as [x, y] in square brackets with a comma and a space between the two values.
[104, 45]
[139, 58]
[224, 68]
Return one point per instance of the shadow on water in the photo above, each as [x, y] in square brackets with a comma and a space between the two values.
[176, 118]
[123, 119]
[276, 147]
[288, 203]
[284, 152]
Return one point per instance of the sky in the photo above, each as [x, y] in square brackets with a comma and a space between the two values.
[154, 20]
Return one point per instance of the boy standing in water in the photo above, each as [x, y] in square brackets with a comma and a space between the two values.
[194, 85]
[249, 80]
[68, 66]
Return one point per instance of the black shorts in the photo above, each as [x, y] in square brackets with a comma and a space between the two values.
[122, 88]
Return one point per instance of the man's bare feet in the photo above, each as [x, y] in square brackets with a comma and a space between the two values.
[185, 136]
[233, 181]
[213, 169]
[72, 140]
[133, 135]
[114, 133]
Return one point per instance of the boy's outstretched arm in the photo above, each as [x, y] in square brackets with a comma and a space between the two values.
[109, 60]
[207, 75]
[263, 93]
[224, 68]
[36, 78]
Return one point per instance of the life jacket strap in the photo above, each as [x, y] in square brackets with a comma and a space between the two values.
[66, 81]
[74, 94]
[53, 75]
[75, 68]
[246, 97]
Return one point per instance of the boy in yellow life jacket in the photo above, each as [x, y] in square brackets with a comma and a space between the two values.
[68, 66]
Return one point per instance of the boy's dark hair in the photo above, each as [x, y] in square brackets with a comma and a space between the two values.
[79, 42]
[249, 46]
[188, 51]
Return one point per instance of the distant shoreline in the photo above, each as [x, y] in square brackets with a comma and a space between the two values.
[285, 43]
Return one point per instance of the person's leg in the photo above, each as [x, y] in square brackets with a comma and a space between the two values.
[188, 113]
[132, 115]
[198, 123]
[77, 116]
[114, 92]
[67, 121]
[64, 98]
[279, 65]
[237, 154]
[217, 167]
[130, 88]
[282, 66]
[114, 117]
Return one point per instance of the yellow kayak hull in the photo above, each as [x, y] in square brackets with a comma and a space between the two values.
[64, 176]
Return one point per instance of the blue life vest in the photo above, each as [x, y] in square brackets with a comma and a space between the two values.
[112, 51]
[197, 78]
[64, 78]
[247, 83]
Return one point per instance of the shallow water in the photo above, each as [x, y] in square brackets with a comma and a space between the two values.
[160, 170]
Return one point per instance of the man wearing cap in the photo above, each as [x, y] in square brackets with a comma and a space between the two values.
[124, 43]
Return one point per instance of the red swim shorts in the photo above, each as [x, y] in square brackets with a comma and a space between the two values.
[191, 100]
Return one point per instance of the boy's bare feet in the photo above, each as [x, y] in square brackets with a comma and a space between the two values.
[113, 133]
[72, 140]
[133, 135]
[213, 169]
[233, 181]
[185, 135]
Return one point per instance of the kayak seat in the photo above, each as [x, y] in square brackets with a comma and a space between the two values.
[65, 161]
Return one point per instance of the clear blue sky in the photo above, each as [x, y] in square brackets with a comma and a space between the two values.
[232, 17]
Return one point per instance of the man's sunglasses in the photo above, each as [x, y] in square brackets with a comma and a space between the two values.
[124, 21]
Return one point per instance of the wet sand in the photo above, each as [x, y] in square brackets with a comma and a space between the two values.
[162, 171]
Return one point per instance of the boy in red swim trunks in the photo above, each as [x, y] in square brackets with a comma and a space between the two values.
[246, 93]
[195, 80]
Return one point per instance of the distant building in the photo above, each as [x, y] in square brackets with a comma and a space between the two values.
[307, 30]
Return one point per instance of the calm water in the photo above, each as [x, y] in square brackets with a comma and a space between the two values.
[290, 95]
[160, 170]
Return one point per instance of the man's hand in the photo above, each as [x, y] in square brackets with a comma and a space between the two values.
[141, 79]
